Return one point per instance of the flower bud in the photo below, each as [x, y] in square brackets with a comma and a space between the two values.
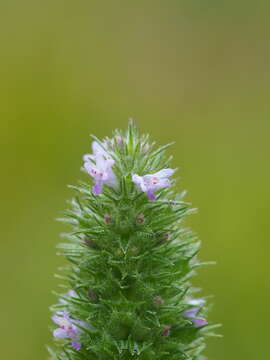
[118, 252]
[145, 148]
[92, 296]
[162, 238]
[158, 300]
[166, 331]
[90, 243]
[108, 219]
[119, 141]
[166, 236]
[140, 219]
[134, 250]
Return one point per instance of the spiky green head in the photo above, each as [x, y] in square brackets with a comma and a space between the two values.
[130, 260]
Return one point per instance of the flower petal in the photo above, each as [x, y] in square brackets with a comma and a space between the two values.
[191, 313]
[163, 183]
[57, 320]
[101, 163]
[139, 181]
[97, 148]
[196, 302]
[60, 333]
[199, 322]
[88, 157]
[97, 188]
[88, 165]
[151, 196]
[164, 173]
[76, 345]
[111, 179]
[73, 331]
[72, 293]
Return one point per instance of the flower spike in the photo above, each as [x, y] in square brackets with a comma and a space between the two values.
[131, 259]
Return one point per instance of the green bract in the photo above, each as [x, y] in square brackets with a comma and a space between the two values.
[128, 291]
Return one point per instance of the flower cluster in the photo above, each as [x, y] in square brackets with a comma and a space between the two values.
[99, 166]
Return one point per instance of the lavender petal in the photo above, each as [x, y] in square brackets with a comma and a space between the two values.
[199, 322]
[97, 188]
[76, 345]
[60, 333]
[151, 196]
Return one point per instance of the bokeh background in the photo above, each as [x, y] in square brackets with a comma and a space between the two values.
[194, 72]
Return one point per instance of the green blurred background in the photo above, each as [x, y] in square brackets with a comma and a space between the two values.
[196, 72]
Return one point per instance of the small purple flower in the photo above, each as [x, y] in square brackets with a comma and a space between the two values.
[194, 311]
[99, 166]
[76, 345]
[191, 313]
[199, 322]
[67, 328]
[152, 182]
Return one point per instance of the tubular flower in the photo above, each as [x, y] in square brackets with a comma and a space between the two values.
[199, 322]
[152, 182]
[193, 312]
[99, 166]
[67, 329]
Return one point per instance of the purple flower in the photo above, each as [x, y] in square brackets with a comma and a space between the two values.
[194, 311]
[199, 322]
[152, 182]
[76, 345]
[191, 313]
[67, 328]
[99, 166]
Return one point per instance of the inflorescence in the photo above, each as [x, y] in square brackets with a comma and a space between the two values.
[131, 261]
